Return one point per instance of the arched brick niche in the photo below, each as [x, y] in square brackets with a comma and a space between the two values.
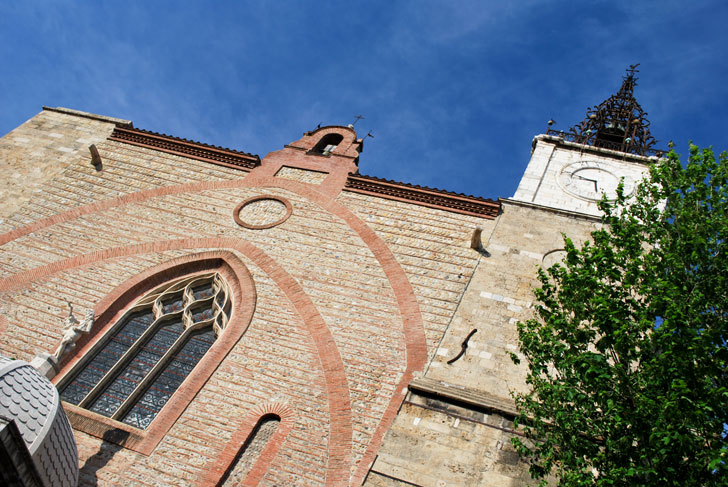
[218, 471]
[328, 144]
[116, 304]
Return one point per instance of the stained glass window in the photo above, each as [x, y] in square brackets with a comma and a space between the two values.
[131, 374]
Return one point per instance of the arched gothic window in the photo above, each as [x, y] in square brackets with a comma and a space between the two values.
[132, 373]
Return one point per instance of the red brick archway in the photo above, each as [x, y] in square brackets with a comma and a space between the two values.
[115, 304]
[340, 442]
[413, 327]
[216, 469]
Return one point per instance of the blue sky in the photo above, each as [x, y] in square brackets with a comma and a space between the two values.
[453, 92]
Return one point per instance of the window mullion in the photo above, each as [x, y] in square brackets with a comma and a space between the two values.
[97, 347]
[161, 364]
[133, 372]
[120, 364]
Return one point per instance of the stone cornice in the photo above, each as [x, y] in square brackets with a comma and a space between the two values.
[119, 122]
[464, 395]
[185, 148]
[625, 156]
[560, 211]
[430, 197]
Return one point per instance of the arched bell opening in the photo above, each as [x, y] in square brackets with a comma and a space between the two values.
[328, 144]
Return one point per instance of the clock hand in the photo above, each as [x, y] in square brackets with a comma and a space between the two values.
[596, 188]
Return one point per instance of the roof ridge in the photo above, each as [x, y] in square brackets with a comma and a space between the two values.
[189, 141]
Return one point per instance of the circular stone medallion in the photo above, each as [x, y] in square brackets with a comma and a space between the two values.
[261, 212]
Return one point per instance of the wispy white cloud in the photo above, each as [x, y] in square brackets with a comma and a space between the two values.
[453, 92]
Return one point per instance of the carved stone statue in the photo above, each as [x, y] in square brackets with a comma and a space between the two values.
[46, 363]
[72, 332]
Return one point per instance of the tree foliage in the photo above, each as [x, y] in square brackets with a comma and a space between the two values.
[627, 354]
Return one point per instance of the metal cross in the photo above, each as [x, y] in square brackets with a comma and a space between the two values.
[357, 118]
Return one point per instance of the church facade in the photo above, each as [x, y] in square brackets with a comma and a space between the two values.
[285, 320]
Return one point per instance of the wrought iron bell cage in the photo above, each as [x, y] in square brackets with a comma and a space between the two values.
[619, 123]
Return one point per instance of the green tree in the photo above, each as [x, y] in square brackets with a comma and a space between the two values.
[627, 354]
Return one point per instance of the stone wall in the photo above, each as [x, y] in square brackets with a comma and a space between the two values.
[353, 294]
[456, 424]
[543, 183]
[39, 150]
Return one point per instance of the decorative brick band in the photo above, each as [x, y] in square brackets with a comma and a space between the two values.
[413, 326]
[224, 462]
[329, 359]
[115, 304]
[185, 148]
[108, 204]
[432, 198]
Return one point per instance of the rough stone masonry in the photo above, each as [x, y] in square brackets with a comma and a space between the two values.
[350, 294]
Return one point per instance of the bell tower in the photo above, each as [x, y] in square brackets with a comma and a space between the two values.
[571, 170]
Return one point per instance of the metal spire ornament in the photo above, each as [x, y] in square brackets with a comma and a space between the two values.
[618, 123]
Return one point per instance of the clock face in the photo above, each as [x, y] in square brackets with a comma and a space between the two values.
[591, 179]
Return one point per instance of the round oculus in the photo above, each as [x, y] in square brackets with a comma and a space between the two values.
[261, 212]
[592, 179]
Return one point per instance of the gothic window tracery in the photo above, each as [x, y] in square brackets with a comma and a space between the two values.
[132, 373]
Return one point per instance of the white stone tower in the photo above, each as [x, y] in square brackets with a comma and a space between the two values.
[572, 170]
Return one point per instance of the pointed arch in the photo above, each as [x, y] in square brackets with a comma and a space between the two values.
[117, 304]
[222, 466]
[340, 433]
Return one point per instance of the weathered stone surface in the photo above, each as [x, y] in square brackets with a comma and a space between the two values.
[39, 150]
[547, 179]
[499, 295]
[356, 295]
[374, 274]
[479, 385]
[302, 175]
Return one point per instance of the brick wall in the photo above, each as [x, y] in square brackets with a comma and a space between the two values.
[354, 292]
